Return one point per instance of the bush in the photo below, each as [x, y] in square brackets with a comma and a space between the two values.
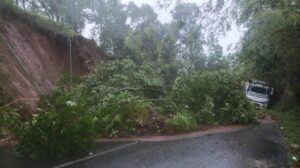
[10, 121]
[182, 122]
[120, 112]
[289, 123]
[65, 128]
[214, 97]
[120, 97]
[120, 92]
[206, 114]
[122, 73]
[112, 100]
[123, 112]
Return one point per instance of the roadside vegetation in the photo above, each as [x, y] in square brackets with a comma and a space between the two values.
[121, 98]
[289, 125]
[161, 78]
[270, 51]
[10, 119]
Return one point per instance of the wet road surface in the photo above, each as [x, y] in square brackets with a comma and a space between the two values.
[255, 147]
[7, 160]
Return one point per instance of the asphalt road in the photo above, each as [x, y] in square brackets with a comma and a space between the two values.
[256, 147]
[7, 160]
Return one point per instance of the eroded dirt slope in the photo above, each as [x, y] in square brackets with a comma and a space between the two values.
[33, 59]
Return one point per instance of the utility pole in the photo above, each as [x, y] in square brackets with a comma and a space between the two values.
[70, 59]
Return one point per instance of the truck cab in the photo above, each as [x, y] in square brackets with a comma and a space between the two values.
[258, 93]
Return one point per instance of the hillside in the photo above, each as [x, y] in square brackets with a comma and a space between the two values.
[34, 55]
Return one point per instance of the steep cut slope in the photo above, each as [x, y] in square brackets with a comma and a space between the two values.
[32, 58]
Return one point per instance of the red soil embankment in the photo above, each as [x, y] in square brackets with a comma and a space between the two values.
[33, 59]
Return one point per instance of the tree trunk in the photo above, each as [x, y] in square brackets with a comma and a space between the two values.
[24, 4]
[288, 99]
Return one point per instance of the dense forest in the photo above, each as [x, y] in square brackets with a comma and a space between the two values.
[163, 77]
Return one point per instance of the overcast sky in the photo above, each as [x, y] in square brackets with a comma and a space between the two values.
[164, 16]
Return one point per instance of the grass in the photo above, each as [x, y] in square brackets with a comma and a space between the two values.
[289, 122]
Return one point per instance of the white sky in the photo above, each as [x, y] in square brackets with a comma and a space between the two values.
[164, 16]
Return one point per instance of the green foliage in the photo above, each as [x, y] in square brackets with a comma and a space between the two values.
[120, 97]
[182, 122]
[289, 124]
[63, 126]
[112, 100]
[38, 21]
[118, 94]
[65, 79]
[60, 11]
[121, 88]
[270, 46]
[130, 31]
[120, 113]
[154, 43]
[124, 75]
[111, 28]
[206, 113]
[190, 35]
[10, 121]
[213, 97]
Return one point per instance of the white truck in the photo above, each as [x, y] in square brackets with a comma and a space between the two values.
[258, 93]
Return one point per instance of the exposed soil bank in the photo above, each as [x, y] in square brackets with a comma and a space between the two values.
[33, 58]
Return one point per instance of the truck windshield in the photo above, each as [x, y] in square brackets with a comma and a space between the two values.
[258, 90]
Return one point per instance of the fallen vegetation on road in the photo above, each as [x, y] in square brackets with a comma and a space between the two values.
[122, 98]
